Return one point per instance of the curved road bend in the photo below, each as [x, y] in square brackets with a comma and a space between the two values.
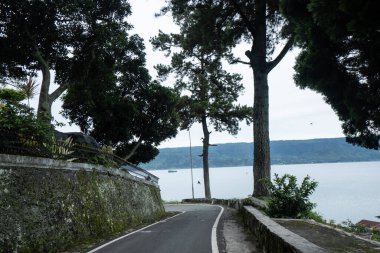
[187, 232]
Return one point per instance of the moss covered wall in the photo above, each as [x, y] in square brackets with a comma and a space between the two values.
[49, 208]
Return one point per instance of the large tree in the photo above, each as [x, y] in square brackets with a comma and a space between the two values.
[133, 118]
[211, 92]
[340, 58]
[259, 23]
[61, 36]
[86, 43]
[118, 104]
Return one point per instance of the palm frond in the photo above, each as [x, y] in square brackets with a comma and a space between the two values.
[29, 88]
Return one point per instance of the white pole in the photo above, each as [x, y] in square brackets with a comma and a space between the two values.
[191, 166]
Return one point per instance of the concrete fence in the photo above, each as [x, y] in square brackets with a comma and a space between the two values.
[274, 238]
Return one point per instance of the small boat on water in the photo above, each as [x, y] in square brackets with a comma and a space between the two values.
[172, 171]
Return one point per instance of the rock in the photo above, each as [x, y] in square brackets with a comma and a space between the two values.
[78, 138]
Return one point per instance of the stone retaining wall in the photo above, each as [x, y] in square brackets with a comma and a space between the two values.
[273, 238]
[48, 205]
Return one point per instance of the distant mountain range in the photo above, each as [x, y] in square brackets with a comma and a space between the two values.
[282, 152]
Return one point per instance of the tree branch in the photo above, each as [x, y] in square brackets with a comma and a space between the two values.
[280, 56]
[58, 92]
[240, 61]
[37, 54]
[249, 25]
[133, 151]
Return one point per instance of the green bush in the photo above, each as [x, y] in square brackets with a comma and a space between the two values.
[19, 125]
[11, 96]
[287, 199]
[353, 228]
[317, 217]
[360, 230]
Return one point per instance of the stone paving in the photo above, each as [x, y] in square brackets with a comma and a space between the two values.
[236, 238]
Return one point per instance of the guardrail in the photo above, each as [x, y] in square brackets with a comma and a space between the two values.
[137, 171]
[75, 153]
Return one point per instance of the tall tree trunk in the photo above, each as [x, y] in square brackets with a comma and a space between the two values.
[261, 167]
[44, 103]
[206, 143]
[258, 61]
[258, 55]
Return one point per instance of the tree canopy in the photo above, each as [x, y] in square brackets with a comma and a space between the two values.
[127, 117]
[56, 35]
[109, 92]
[340, 59]
[18, 123]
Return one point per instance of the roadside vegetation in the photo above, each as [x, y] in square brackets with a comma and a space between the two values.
[23, 133]
[18, 122]
[291, 201]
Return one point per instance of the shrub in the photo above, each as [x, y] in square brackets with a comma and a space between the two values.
[18, 123]
[353, 228]
[287, 199]
[360, 230]
[11, 96]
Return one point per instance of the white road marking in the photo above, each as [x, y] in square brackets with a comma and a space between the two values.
[214, 242]
[134, 232]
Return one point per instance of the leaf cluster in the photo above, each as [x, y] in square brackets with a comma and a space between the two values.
[340, 59]
[11, 96]
[289, 200]
[18, 123]
[29, 88]
[128, 114]
[102, 67]
[208, 91]
[224, 24]
[60, 32]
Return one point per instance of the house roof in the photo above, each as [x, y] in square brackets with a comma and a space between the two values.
[369, 223]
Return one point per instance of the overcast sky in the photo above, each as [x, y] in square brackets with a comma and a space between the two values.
[294, 113]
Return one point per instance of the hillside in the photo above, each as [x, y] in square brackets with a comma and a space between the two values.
[282, 152]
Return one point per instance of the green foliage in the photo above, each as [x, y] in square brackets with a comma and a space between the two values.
[68, 37]
[316, 217]
[18, 123]
[353, 228]
[287, 199]
[28, 88]
[340, 58]
[140, 115]
[359, 230]
[375, 235]
[198, 70]
[101, 66]
[11, 96]
[61, 149]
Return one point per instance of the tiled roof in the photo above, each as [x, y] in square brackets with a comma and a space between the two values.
[369, 223]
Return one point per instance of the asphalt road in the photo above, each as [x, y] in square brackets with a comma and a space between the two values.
[190, 231]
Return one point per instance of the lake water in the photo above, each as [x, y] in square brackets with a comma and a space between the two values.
[345, 190]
